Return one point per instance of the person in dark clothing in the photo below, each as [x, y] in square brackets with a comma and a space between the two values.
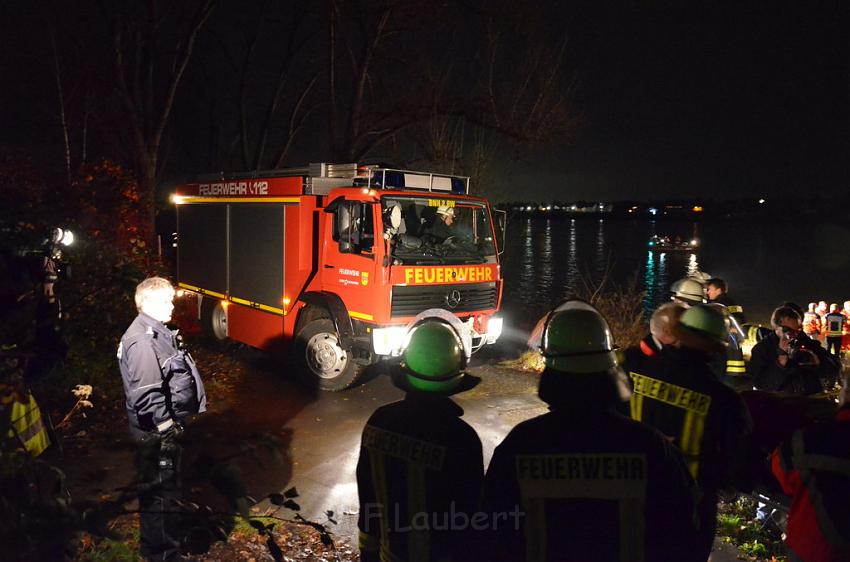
[734, 371]
[681, 397]
[776, 416]
[163, 388]
[813, 468]
[443, 226]
[787, 360]
[640, 358]
[589, 483]
[660, 334]
[716, 290]
[833, 327]
[420, 469]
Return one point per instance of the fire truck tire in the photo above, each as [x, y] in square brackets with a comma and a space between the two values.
[322, 362]
[214, 323]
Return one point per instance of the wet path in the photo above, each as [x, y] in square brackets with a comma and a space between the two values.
[277, 435]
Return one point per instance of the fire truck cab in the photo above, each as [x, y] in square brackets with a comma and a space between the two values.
[333, 263]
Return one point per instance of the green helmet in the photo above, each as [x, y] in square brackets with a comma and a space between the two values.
[702, 327]
[577, 339]
[434, 359]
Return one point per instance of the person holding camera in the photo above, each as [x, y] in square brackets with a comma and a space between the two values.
[163, 388]
[788, 360]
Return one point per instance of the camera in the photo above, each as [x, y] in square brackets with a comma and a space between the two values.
[798, 350]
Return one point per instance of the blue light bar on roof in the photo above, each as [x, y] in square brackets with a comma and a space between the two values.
[383, 178]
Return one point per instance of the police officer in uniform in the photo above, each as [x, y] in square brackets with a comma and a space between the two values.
[420, 469]
[708, 421]
[163, 388]
[591, 484]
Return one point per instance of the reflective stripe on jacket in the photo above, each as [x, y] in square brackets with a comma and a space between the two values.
[834, 324]
[28, 428]
[811, 323]
[420, 470]
[589, 485]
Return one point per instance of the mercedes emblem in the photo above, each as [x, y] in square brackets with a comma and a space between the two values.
[453, 298]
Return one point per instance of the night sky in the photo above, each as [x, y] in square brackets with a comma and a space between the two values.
[687, 99]
[677, 99]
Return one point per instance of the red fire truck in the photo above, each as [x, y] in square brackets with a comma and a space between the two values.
[333, 262]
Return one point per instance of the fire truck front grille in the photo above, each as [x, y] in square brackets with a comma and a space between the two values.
[466, 297]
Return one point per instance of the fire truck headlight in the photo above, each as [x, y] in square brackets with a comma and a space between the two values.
[494, 329]
[389, 340]
[62, 236]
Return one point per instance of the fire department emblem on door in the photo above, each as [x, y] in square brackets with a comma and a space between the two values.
[364, 278]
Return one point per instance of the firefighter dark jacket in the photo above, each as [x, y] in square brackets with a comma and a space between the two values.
[680, 396]
[161, 381]
[735, 310]
[767, 374]
[591, 485]
[813, 467]
[419, 479]
[706, 420]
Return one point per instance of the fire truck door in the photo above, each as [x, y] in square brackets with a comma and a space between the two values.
[350, 264]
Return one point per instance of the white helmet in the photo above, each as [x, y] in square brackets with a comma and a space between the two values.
[444, 210]
[688, 290]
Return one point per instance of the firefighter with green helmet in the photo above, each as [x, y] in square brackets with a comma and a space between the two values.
[421, 466]
[682, 398]
[590, 483]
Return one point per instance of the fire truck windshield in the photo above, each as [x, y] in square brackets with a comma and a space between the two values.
[435, 230]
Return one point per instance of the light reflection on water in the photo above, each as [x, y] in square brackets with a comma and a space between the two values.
[556, 256]
[546, 258]
[572, 263]
[600, 257]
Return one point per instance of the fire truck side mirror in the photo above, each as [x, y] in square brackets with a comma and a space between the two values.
[501, 220]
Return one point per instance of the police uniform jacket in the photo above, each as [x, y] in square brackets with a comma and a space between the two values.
[161, 381]
[813, 467]
[419, 479]
[794, 378]
[590, 484]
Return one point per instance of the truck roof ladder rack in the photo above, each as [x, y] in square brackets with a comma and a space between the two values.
[372, 177]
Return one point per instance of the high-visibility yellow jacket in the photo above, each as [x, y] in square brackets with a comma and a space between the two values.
[27, 427]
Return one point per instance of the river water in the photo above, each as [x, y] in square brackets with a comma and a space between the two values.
[548, 259]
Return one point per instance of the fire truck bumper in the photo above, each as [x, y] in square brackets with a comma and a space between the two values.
[391, 340]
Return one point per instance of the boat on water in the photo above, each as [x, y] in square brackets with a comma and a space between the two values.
[659, 243]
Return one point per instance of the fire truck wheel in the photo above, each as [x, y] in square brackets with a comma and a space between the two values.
[323, 362]
[214, 322]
